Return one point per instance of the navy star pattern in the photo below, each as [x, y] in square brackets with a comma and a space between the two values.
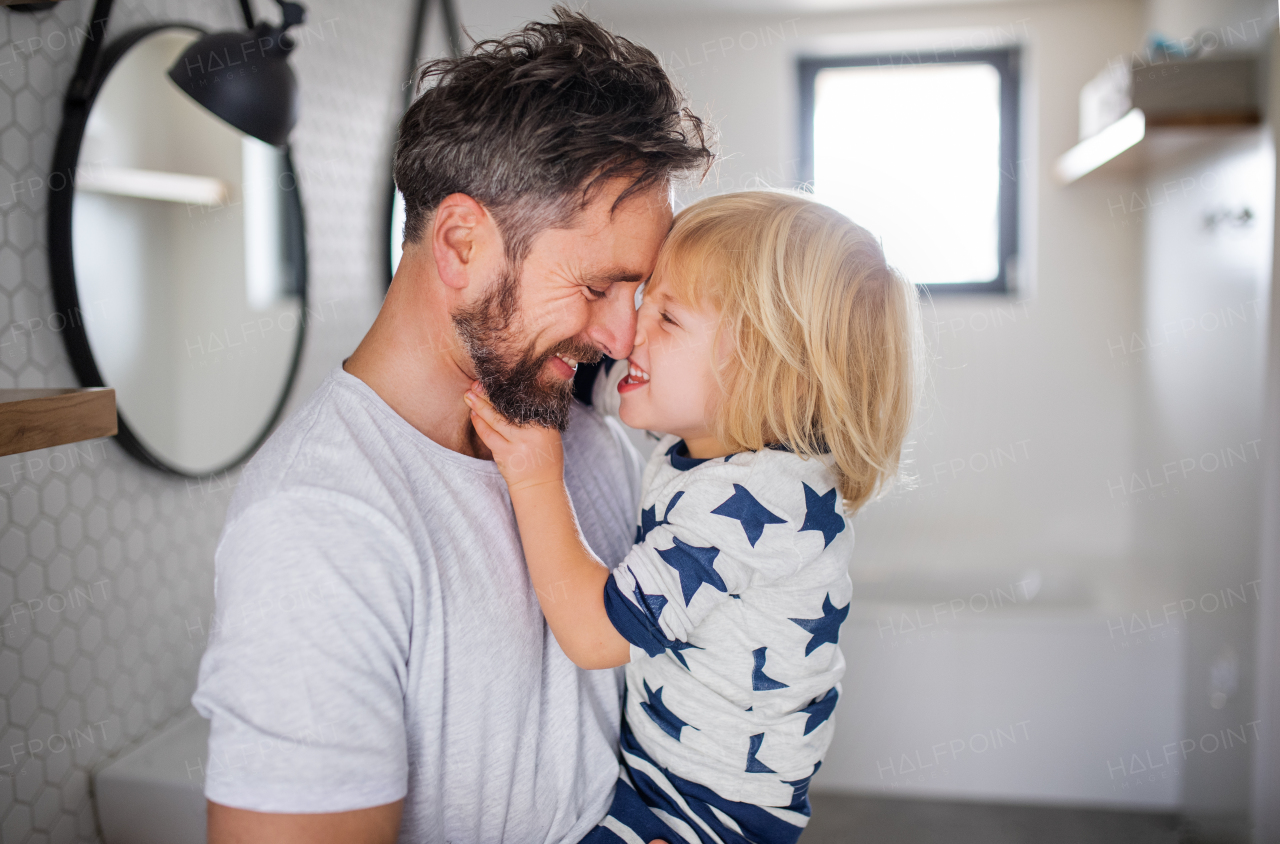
[753, 515]
[670, 723]
[754, 765]
[820, 710]
[694, 565]
[654, 604]
[649, 518]
[820, 514]
[760, 681]
[825, 629]
[676, 646]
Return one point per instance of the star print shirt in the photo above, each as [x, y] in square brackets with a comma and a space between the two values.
[732, 600]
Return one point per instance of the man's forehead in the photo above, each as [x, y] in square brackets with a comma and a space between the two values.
[623, 246]
[607, 205]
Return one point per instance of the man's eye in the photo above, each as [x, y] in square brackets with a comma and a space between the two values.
[595, 294]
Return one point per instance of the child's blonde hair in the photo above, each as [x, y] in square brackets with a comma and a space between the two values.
[826, 334]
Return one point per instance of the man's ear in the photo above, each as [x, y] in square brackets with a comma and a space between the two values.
[462, 239]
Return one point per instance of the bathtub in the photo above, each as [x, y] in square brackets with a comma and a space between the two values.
[1013, 689]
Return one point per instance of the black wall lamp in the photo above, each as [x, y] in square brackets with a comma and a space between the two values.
[243, 76]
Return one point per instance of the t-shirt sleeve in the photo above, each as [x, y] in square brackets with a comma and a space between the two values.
[303, 679]
[715, 539]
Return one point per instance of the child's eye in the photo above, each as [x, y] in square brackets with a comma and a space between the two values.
[667, 318]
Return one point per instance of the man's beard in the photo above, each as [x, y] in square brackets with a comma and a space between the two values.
[512, 377]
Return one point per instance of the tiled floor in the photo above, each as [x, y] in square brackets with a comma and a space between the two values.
[850, 819]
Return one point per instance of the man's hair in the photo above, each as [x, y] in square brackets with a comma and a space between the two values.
[530, 124]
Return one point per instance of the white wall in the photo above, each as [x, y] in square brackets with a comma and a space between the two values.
[1202, 400]
[1266, 769]
[1206, 304]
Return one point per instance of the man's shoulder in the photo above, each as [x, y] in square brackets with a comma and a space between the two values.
[329, 448]
[320, 489]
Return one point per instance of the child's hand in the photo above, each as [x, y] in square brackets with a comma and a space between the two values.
[527, 455]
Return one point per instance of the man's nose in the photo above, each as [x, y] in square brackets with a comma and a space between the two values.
[613, 323]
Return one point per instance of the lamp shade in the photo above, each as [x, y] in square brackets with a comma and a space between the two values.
[244, 78]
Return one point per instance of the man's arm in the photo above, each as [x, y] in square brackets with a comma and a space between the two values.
[304, 676]
[375, 825]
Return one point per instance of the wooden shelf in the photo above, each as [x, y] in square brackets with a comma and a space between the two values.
[1108, 145]
[1135, 145]
[33, 419]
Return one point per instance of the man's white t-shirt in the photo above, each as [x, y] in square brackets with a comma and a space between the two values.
[377, 636]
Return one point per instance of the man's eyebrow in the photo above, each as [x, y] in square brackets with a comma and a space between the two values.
[610, 276]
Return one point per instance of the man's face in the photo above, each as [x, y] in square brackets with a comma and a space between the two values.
[572, 300]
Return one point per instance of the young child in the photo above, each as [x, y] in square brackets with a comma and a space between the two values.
[777, 351]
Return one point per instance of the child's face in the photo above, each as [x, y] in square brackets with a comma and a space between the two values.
[671, 387]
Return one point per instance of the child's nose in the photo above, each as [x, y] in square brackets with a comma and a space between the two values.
[641, 331]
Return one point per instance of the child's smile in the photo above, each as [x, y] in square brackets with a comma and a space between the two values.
[636, 378]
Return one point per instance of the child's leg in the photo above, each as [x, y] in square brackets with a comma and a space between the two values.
[630, 821]
[697, 815]
[719, 820]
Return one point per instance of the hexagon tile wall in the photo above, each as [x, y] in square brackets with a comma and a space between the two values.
[106, 575]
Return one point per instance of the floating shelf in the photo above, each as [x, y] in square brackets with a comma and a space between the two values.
[33, 419]
[1093, 152]
[1179, 107]
[1133, 144]
[153, 184]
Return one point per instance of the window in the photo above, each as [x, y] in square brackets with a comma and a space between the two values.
[923, 152]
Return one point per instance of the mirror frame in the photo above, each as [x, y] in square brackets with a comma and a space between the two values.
[417, 37]
[80, 98]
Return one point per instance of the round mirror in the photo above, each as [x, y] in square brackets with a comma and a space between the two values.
[179, 259]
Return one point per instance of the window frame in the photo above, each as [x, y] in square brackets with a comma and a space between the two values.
[1007, 62]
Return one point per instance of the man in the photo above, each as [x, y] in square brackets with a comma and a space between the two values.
[380, 669]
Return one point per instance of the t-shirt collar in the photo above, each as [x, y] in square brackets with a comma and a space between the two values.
[683, 462]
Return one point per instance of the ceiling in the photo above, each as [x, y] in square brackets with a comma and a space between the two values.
[491, 17]
[631, 8]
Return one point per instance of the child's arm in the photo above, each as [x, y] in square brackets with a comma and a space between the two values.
[568, 578]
